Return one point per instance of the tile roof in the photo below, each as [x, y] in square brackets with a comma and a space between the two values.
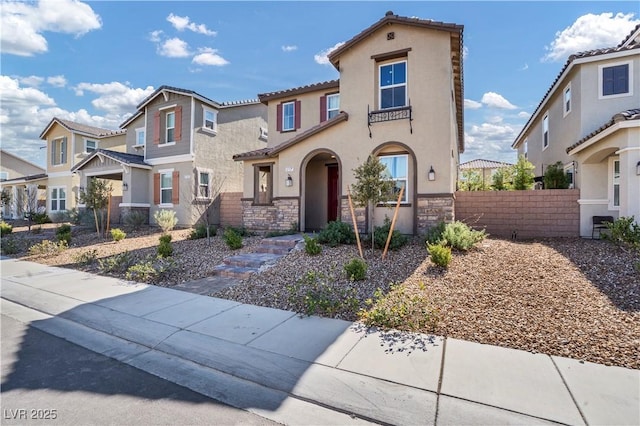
[28, 178]
[72, 126]
[176, 90]
[330, 84]
[628, 44]
[630, 114]
[483, 164]
[239, 103]
[273, 151]
[122, 157]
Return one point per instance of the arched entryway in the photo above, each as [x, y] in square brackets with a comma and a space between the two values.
[321, 190]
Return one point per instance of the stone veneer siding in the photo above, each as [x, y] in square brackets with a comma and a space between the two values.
[361, 215]
[275, 217]
[433, 209]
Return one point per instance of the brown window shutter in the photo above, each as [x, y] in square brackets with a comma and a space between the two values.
[177, 135]
[175, 188]
[323, 108]
[298, 114]
[156, 188]
[156, 127]
[279, 117]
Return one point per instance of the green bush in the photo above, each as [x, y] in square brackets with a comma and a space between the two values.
[41, 218]
[434, 234]
[440, 255]
[293, 229]
[149, 269]
[165, 238]
[118, 234]
[311, 246]
[459, 236]
[380, 234]
[117, 263]
[165, 249]
[5, 228]
[318, 294]
[624, 231]
[63, 233]
[86, 257]
[336, 233]
[9, 246]
[200, 231]
[555, 177]
[48, 248]
[232, 239]
[135, 219]
[166, 220]
[356, 269]
[401, 309]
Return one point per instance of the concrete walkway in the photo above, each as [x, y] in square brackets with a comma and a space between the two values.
[311, 370]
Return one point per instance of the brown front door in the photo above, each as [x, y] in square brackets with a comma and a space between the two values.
[332, 193]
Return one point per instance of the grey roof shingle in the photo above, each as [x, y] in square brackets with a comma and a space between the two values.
[330, 84]
[630, 114]
[73, 126]
[483, 164]
[122, 157]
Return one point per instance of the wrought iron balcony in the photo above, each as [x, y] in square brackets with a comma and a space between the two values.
[389, 114]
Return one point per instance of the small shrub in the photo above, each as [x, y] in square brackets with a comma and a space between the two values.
[165, 249]
[166, 220]
[440, 255]
[200, 231]
[63, 233]
[555, 177]
[311, 246]
[624, 231]
[41, 218]
[48, 248]
[149, 269]
[434, 234]
[117, 263]
[293, 229]
[381, 233]
[356, 269]
[402, 310]
[165, 238]
[336, 233]
[135, 219]
[319, 294]
[5, 228]
[242, 231]
[118, 234]
[459, 236]
[86, 257]
[86, 218]
[232, 239]
[9, 246]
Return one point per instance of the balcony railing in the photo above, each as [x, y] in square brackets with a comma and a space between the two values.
[389, 114]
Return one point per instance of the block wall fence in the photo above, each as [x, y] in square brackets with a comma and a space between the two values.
[231, 209]
[529, 214]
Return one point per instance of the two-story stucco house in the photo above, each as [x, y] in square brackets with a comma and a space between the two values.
[69, 143]
[178, 153]
[589, 120]
[19, 178]
[399, 97]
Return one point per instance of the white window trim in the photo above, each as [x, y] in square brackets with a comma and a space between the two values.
[405, 84]
[90, 140]
[333, 95]
[210, 173]
[57, 198]
[545, 116]
[615, 64]
[55, 142]
[405, 195]
[610, 169]
[293, 126]
[5, 174]
[138, 131]
[264, 134]
[170, 173]
[570, 167]
[167, 128]
[526, 148]
[564, 100]
[215, 120]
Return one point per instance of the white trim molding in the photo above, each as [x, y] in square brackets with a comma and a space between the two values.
[170, 160]
[608, 131]
[593, 202]
[629, 81]
[134, 205]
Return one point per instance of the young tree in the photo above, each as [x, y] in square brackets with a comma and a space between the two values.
[501, 179]
[205, 200]
[523, 174]
[96, 197]
[373, 185]
[470, 181]
[555, 177]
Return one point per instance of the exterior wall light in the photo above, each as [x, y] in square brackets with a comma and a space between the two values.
[432, 174]
[288, 181]
[638, 169]
[125, 186]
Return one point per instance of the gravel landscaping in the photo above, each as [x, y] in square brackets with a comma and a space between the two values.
[567, 297]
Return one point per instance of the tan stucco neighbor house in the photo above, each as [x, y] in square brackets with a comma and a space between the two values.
[21, 180]
[589, 120]
[485, 169]
[399, 97]
[178, 153]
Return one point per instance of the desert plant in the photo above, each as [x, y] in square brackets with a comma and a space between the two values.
[523, 174]
[135, 219]
[439, 254]
[165, 249]
[166, 220]
[117, 263]
[63, 233]
[624, 231]
[460, 236]
[48, 248]
[501, 179]
[337, 232]
[381, 234]
[434, 234]
[5, 228]
[311, 246]
[555, 177]
[118, 234]
[200, 231]
[356, 269]
[232, 239]
[9, 246]
[318, 294]
[96, 198]
[470, 180]
[86, 257]
[41, 218]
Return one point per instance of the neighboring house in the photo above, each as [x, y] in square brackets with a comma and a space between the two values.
[68, 143]
[18, 178]
[178, 154]
[485, 169]
[588, 120]
[399, 97]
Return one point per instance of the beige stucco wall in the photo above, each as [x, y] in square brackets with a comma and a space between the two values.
[17, 167]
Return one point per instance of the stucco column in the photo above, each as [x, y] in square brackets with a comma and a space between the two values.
[14, 202]
[629, 182]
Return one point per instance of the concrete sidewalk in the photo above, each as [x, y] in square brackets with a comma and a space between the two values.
[310, 370]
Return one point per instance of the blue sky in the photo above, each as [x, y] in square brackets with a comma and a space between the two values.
[93, 62]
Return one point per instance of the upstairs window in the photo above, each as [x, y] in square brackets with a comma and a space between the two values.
[615, 80]
[288, 116]
[545, 131]
[90, 146]
[59, 151]
[210, 120]
[4, 176]
[393, 85]
[333, 105]
[397, 167]
[567, 100]
[140, 136]
[167, 126]
[170, 127]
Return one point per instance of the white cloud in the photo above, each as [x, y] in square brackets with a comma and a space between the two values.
[208, 56]
[116, 99]
[182, 23]
[154, 36]
[32, 80]
[57, 81]
[495, 119]
[524, 114]
[524, 67]
[23, 24]
[290, 48]
[490, 141]
[471, 104]
[590, 32]
[322, 57]
[174, 48]
[465, 52]
[494, 100]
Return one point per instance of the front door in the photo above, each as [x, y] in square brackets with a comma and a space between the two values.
[332, 193]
